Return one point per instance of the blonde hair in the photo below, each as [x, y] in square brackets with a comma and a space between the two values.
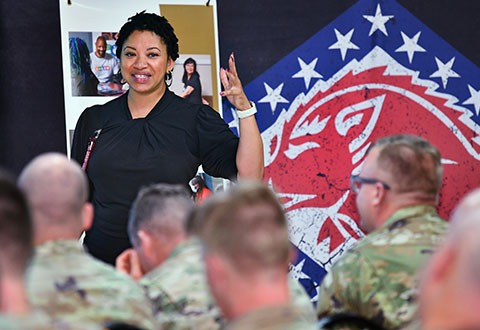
[414, 163]
[247, 225]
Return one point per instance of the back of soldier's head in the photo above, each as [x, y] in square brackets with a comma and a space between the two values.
[246, 225]
[463, 233]
[15, 228]
[56, 189]
[412, 162]
[450, 287]
[160, 209]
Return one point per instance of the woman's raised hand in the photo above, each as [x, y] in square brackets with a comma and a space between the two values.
[232, 85]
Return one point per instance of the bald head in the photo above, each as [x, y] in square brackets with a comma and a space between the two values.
[463, 234]
[56, 190]
[467, 214]
[450, 287]
[100, 47]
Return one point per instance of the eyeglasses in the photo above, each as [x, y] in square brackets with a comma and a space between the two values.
[356, 182]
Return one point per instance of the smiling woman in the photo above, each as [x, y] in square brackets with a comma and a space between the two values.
[144, 62]
[150, 135]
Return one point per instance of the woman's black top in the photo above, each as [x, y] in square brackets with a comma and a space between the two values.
[166, 146]
[196, 95]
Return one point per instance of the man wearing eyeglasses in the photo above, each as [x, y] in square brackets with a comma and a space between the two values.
[396, 196]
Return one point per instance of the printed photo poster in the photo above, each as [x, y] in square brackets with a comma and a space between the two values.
[91, 69]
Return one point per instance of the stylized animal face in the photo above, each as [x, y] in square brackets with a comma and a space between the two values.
[313, 147]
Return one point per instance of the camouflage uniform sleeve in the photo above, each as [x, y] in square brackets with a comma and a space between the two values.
[162, 303]
[350, 286]
[183, 311]
[300, 299]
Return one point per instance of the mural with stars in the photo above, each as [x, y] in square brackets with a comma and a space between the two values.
[376, 70]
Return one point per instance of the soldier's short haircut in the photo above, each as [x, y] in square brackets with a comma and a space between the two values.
[56, 189]
[16, 244]
[159, 209]
[412, 162]
[247, 225]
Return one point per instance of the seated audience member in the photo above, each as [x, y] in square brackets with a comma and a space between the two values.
[200, 190]
[247, 251]
[169, 258]
[64, 280]
[397, 193]
[450, 286]
[16, 249]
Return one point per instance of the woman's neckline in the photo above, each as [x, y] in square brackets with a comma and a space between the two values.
[150, 105]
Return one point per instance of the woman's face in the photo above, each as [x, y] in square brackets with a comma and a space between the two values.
[190, 68]
[144, 61]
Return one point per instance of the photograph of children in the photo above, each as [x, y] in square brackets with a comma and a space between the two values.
[94, 66]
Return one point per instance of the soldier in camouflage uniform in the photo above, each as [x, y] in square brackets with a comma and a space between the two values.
[397, 192]
[177, 285]
[283, 317]
[246, 251]
[16, 247]
[70, 285]
[450, 286]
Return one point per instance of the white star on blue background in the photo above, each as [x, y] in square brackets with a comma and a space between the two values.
[378, 21]
[474, 99]
[410, 45]
[273, 96]
[307, 71]
[445, 71]
[343, 42]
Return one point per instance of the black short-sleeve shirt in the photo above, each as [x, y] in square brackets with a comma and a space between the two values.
[166, 146]
[196, 95]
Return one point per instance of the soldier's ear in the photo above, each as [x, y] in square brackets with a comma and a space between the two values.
[292, 254]
[378, 194]
[146, 242]
[215, 269]
[87, 216]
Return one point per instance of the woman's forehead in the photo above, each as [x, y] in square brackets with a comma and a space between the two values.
[144, 36]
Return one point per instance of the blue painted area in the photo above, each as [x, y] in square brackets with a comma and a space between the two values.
[330, 62]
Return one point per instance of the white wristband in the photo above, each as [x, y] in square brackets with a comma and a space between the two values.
[247, 113]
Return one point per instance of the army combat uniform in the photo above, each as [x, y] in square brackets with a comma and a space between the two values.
[378, 277]
[29, 321]
[283, 317]
[180, 293]
[73, 287]
[37, 319]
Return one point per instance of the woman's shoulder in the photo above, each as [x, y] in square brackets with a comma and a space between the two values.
[199, 111]
[102, 111]
[180, 104]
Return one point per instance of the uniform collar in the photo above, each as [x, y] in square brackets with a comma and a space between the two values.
[60, 246]
[409, 212]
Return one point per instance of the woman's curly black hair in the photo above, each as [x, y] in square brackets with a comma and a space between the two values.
[150, 22]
